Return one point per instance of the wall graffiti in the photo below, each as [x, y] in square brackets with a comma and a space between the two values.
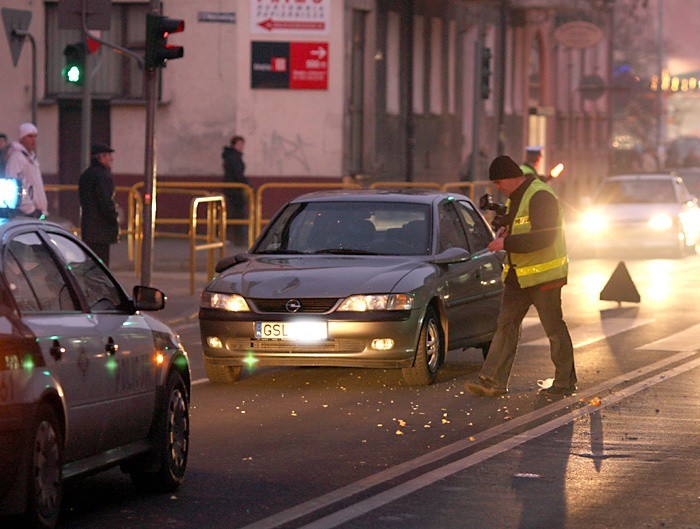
[279, 151]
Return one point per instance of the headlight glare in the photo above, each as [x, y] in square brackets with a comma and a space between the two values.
[660, 222]
[367, 302]
[228, 302]
[594, 221]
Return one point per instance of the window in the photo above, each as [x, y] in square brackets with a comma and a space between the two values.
[115, 75]
[451, 231]
[34, 278]
[478, 233]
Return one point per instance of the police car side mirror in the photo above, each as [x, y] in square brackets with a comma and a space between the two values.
[147, 298]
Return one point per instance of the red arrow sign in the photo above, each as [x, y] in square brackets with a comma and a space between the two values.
[272, 25]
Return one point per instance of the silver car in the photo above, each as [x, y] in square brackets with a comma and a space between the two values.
[372, 278]
[87, 381]
[641, 213]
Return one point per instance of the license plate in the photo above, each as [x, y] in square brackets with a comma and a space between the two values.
[296, 331]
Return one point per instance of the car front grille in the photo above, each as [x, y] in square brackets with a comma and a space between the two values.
[285, 347]
[308, 305]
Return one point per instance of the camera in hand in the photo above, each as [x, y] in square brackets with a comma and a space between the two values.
[486, 202]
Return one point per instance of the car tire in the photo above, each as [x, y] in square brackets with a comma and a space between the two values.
[220, 374]
[164, 468]
[429, 353]
[44, 480]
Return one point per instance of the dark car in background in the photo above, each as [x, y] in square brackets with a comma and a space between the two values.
[87, 380]
[369, 278]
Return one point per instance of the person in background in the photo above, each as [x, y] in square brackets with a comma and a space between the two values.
[533, 160]
[4, 144]
[99, 227]
[22, 163]
[236, 204]
[536, 269]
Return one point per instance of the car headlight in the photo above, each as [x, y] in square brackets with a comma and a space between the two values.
[594, 221]
[229, 302]
[660, 222]
[362, 303]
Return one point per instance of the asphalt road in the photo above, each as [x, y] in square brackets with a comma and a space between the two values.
[355, 448]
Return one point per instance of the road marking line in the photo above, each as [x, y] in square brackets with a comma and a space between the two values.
[383, 498]
[684, 340]
[364, 484]
[588, 334]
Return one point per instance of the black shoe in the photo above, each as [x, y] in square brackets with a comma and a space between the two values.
[484, 388]
[558, 390]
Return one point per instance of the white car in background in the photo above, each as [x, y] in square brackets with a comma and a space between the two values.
[641, 214]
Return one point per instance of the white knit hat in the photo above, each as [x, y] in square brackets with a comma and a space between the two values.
[27, 128]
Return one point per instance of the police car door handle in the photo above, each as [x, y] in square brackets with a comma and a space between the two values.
[56, 350]
[111, 347]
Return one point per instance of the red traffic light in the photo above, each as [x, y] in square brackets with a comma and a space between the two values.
[158, 51]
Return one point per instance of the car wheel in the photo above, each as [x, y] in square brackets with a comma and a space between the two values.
[45, 483]
[428, 354]
[219, 374]
[164, 469]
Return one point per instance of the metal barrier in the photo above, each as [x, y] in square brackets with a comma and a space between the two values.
[472, 186]
[425, 185]
[260, 222]
[215, 235]
[134, 208]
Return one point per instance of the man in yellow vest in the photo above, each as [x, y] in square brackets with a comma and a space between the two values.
[536, 267]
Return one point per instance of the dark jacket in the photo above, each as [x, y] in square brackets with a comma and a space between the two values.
[98, 217]
[234, 167]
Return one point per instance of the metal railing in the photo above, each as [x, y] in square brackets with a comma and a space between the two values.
[215, 236]
[258, 209]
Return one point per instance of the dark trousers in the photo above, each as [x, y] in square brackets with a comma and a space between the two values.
[236, 208]
[516, 302]
[101, 249]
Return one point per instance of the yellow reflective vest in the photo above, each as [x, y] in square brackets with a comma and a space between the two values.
[545, 265]
[526, 169]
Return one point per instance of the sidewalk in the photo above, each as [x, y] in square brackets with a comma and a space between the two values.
[170, 273]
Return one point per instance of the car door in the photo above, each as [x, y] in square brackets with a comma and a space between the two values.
[124, 337]
[464, 299]
[479, 235]
[66, 335]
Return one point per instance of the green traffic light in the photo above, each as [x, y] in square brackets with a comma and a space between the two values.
[73, 74]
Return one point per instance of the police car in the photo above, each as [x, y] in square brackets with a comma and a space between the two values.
[87, 380]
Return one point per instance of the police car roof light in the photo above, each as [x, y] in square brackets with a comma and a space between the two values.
[10, 196]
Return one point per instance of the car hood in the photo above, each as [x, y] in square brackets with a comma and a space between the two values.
[314, 276]
[632, 212]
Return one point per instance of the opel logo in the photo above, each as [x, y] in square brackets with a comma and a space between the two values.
[293, 305]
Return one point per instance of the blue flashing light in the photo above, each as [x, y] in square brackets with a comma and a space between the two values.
[10, 195]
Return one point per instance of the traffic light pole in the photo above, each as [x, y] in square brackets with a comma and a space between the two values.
[86, 116]
[149, 198]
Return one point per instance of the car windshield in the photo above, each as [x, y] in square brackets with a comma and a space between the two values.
[371, 228]
[644, 191]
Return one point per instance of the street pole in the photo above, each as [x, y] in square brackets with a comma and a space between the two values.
[86, 115]
[149, 199]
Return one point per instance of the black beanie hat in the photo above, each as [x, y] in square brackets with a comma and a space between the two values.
[504, 167]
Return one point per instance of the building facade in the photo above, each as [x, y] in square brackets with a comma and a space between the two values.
[322, 89]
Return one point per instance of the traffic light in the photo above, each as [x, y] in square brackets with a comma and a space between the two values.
[74, 70]
[158, 27]
[485, 71]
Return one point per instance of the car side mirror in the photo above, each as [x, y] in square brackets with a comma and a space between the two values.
[147, 298]
[450, 256]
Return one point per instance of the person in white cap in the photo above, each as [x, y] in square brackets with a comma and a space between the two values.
[23, 164]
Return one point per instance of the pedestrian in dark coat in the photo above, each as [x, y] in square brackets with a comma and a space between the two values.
[98, 212]
[234, 171]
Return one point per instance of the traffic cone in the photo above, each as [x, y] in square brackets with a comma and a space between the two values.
[620, 286]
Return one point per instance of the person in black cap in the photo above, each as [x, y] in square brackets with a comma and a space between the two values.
[536, 267]
[98, 213]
